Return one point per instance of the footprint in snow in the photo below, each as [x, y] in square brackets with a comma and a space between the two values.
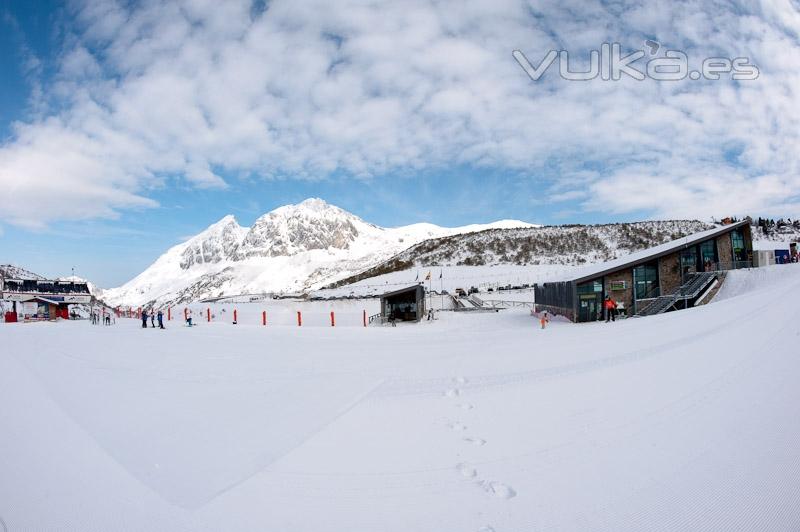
[453, 392]
[460, 380]
[480, 442]
[465, 406]
[497, 489]
[457, 426]
[466, 470]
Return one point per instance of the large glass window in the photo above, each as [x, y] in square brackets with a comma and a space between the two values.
[645, 281]
[737, 240]
[591, 287]
[708, 255]
[689, 260]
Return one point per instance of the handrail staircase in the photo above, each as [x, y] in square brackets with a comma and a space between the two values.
[694, 285]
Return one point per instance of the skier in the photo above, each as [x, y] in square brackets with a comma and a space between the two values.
[152, 318]
[160, 319]
[189, 318]
[544, 320]
[611, 309]
[144, 318]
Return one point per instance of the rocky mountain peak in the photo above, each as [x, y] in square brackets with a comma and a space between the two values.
[310, 225]
[217, 243]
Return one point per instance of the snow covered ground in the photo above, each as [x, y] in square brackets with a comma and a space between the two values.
[475, 422]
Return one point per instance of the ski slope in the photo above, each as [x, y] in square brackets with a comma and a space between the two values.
[475, 422]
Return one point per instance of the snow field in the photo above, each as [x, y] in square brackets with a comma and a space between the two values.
[475, 422]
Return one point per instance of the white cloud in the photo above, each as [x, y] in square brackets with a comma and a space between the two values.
[188, 91]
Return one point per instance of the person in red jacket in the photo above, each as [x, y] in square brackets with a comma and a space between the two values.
[611, 309]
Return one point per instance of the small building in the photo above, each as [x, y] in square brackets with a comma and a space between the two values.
[768, 252]
[763, 257]
[666, 277]
[43, 299]
[407, 304]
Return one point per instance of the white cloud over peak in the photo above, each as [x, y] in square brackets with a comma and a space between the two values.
[185, 92]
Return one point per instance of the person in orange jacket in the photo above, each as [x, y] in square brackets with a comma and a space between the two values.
[611, 309]
[544, 319]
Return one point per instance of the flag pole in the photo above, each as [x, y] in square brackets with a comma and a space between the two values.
[441, 289]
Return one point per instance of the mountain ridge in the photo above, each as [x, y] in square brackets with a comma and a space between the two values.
[291, 248]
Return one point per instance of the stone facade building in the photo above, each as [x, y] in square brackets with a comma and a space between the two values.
[635, 280]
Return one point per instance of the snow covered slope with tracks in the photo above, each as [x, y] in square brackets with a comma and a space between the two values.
[476, 422]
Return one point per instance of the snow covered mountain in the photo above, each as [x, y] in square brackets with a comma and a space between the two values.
[293, 248]
[9, 271]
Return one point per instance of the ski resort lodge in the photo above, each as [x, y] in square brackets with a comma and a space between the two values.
[40, 299]
[675, 275]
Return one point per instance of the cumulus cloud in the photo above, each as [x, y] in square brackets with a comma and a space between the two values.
[183, 93]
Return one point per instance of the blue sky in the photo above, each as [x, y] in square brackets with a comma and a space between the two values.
[128, 126]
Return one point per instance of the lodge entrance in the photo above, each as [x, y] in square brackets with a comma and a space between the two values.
[590, 307]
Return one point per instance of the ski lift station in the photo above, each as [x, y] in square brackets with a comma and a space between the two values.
[407, 304]
[675, 275]
[42, 299]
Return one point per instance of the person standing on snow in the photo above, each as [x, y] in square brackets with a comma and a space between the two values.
[611, 309]
[160, 319]
[152, 318]
[544, 320]
[144, 319]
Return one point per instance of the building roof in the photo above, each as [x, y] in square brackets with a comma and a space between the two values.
[403, 290]
[46, 300]
[771, 245]
[646, 255]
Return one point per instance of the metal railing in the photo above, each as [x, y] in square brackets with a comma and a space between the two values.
[692, 286]
[499, 303]
[722, 266]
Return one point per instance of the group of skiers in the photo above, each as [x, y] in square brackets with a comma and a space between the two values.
[96, 318]
[153, 317]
